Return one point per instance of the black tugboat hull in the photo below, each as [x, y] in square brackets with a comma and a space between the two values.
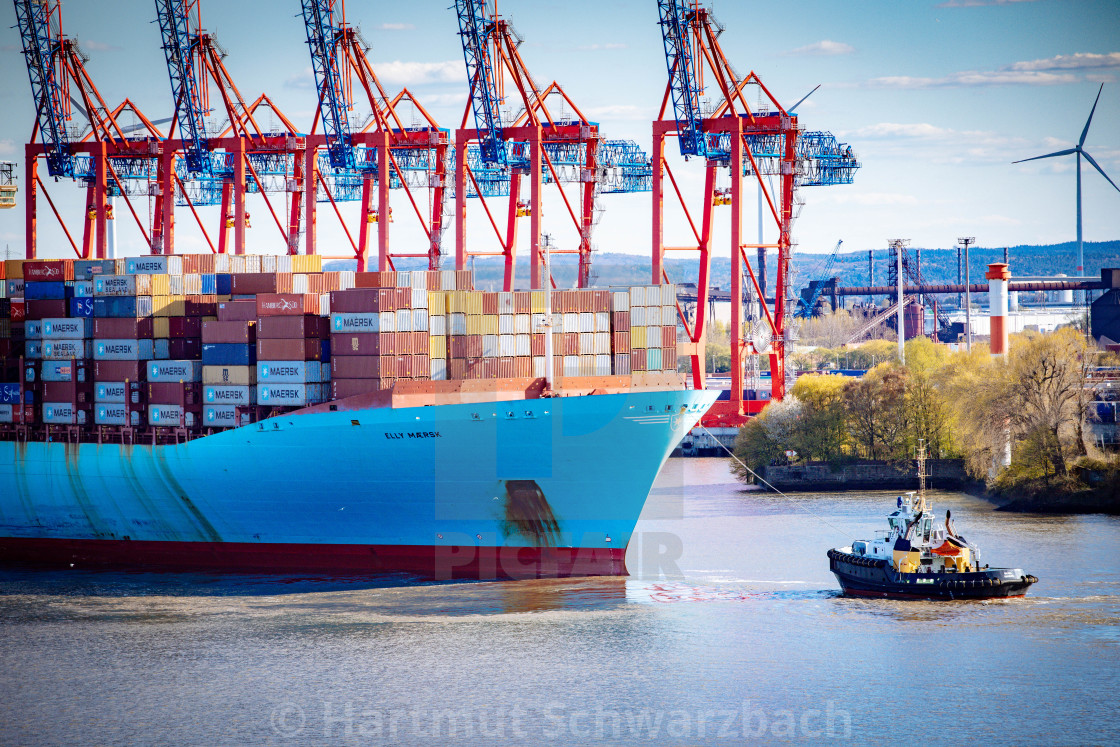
[867, 577]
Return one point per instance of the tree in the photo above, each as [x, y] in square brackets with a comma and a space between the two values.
[822, 432]
[875, 408]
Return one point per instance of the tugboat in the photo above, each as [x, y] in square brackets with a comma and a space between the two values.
[917, 560]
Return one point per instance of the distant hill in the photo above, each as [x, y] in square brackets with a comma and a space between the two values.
[938, 266]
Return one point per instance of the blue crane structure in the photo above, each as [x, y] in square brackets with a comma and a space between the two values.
[386, 154]
[811, 295]
[108, 160]
[492, 158]
[763, 142]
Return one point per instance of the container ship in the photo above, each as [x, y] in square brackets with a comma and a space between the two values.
[256, 413]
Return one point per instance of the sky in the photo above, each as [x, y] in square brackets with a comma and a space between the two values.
[935, 97]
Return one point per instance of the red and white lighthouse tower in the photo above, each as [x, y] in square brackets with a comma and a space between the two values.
[998, 276]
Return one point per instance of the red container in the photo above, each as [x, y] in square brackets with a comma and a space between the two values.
[343, 388]
[570, 343]
[252, 282]
[286, 304]
[537, 344]
[668, 336]
[52, 308]
[360, 300]
[620, 342]
[123, 329]
[403, 298]
[355, 367]
[288, 349]
[292, 327]
[174, 393]
[358, 343]
[365, 280]
[184, 326]
[620, 321]
[522, 302]
[29, 414]
[118, 370]
[201, 306]
[464, 280]
[237, 311]
[241, 333]
[51, 269]
[184, 348]
[638, 360]
[67, 391]
[505, 368]
[669, 358]
[421, 367]
[523, 367]
[489, 303]
[18, 311]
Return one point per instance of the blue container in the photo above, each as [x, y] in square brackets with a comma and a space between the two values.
[216, 284]
[325, 348]
[81, 307]
[115, 306]
[224, 284]
[46, 290]
[209, 286]
[84, 269]
[228, 354]
[9, 394]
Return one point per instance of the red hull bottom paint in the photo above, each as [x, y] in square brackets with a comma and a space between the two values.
[438, 562]
[900, 595]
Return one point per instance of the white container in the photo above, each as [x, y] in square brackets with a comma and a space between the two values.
[112, 413]
[620, 301]
[61, 350]
[66, 328]
[507, 345]
[439, 369]
[168, 416]
[388, 321]
[437, 325]
[356, 322]
[221, 416]
[602, 321]
[523, 345]
[122, 350]
[419, 297]
[458, 324]
[122, 285]
[114, 392]
[288, 372]
[586, 322]
[570, 322]
[167, 264]
[61, 370]
[174, 371]
[63, 413]
[490, 346]
[404, 320]
[229, 395]
[505, 324]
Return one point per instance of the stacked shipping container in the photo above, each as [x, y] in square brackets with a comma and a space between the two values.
[207, 340]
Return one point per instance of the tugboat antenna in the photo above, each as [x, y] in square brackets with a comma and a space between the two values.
[922, 470]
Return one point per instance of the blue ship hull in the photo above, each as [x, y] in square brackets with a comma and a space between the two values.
[533, 487]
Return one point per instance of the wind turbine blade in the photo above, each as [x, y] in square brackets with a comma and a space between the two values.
[1065, 152]
[793, 108]
[1090, 119]
[1098, 168]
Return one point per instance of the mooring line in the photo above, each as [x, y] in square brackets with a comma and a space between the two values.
[759, 477]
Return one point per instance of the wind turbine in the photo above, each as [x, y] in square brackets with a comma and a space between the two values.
[1079, 149]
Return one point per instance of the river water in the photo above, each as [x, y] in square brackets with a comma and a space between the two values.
[730, 630]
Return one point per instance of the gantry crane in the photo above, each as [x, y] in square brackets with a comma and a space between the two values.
[811, 294]
[387, 152]
[109, 159]
[762, 142]
[494, 155]
[220, 168]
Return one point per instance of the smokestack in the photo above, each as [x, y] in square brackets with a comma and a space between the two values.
[997, 276]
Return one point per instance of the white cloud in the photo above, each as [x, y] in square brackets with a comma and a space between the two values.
[96, 46]
[931, 143]
[305, 79]
[7, 147]
[1078, 61]
[825, 47]
[400, 73]
[396, 27]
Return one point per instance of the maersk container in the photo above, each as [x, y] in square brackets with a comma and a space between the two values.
[287, 372]
[168, 416]
[228, 354]
[66, 329]
[14, 288]
[285, 394]
[352, 322]
[229, 395]
[33, 329]
[122, 285]
[46, 290]
[117, 392]
[63, 413]
[83, 289]
[116, 414]
[223, 416]
[173, 371]
[123, 350]
[60, 350]
[154, 265]
[62, 370]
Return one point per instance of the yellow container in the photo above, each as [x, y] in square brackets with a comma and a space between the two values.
[437, 303]
[437, 347]
[161, 285]
[161, 327]
[637, 337]
[490, 324]
[474, 302]
[537, 302]
[474, 324]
